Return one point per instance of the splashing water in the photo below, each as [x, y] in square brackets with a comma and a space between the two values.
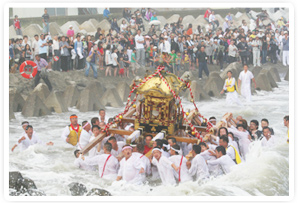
[265, 172]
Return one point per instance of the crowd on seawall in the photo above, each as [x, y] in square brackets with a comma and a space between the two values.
[131, 45]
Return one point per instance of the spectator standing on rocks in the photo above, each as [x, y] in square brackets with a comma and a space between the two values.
[46, 22]
[42, 47]
[256, 50]
[35, 47]
[70, 33]
[202, 62]
[56, 53]
[17, 25]
[285, 41]
[207, 14]
[92, 56]
[243, 50]
[63, 45]
[42, 65]
[139, 40]
[106, 13]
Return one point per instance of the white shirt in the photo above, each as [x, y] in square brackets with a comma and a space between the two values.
[108, 57]
[139, 38]
[122, 27]
[232, 52]
[130, 168]
[199, 168]
[129, 52]
[227, 81]
[184, 175]
[80, 163]
[114, 59]
[166, 154]
[243, 140]
[211, 18]
[165, 170]
[245, 78]
[84, 138]
[224, 161]
[110, 169]
[24, 144]
[165, 47]
[35, 46]
[120, 146]
[55, 44]
[268, 143]
[132, 22]
[145, 160]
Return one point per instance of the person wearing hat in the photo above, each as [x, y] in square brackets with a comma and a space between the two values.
[256, 51]
[285, 42]
[226, 25]
[139, 22]
[153, 17]
[70, 32]
[17, 25]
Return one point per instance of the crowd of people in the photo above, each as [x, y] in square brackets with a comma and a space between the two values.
[167, 160]
[129, 46]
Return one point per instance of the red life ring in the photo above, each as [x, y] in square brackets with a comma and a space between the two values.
[56, 58]
[25, 75]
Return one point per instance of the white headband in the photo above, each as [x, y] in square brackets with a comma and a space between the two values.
[85, 124]
[212, 120]
[127, 147]
[178, 151]
[167, 146]
[25, 124]
[156, 149]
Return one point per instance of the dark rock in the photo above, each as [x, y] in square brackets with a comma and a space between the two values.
[42, 91]
[34, 106]
[90, 98]
[55, 102]
[123, 90]
[16, 100]
[14, 178]
[214, 85]
[275, 74]
[235, 67]
[270, 78]
[98, 192]
[256, 70]
[77, 189]
[263, 82]
[111, 98]
[71, 95]
[26, 184]
[198, 92]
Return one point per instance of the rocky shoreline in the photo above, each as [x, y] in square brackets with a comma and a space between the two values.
[88, 94]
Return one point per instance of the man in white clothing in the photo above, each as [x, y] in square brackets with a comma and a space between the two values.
[244, 81]
[223, 160]
[197, 167]
[85, 135]
[71, 133]
[107, 164]
[102, 116]
[243, 136]
[267, 140]
[96, 149]
[130, 167]
[139, 39]
[139, 152]
[208, 155]
[81, 162]
[230, 149]
[116, 146]
[231, 89]
[182, 174]
[164, 166]
[256, 50]
[28, 139]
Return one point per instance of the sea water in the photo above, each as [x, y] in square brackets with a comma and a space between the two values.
[265, 172]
